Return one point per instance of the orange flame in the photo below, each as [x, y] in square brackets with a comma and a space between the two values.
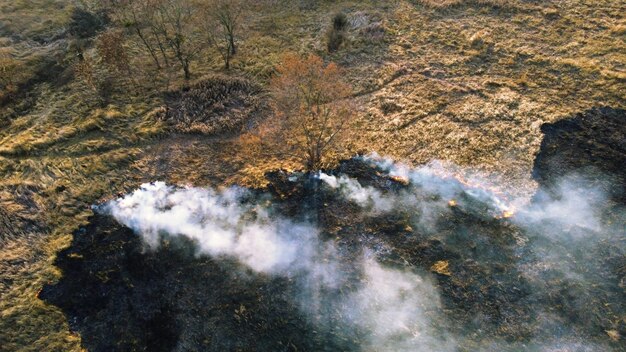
[508, 213]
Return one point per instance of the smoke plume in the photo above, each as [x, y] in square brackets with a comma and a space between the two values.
[396, 309]
[220, 224]
[390, 305]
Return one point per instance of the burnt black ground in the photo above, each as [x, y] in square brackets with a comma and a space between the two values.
[592, 144]
[121, 297]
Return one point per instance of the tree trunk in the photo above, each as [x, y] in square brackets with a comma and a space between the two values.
[227, 61]
[231, 42]
[162, 49]
[186, 69]
[185, 64]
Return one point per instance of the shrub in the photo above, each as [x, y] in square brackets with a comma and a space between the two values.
[84, 69]
[10, 72]
[336, 34]
[340, 21]
[389, 107]
[335, 39]
[85, 24]
[373, 31]
[111, 49]
[104, 89]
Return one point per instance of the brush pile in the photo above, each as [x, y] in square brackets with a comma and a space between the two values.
[215, 104]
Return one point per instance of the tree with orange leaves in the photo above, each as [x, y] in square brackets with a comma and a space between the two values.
[311, 110]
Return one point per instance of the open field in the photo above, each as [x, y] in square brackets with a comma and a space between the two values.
[467, 82]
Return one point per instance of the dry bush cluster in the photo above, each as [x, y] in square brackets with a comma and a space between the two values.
[357, 30]
[101, 82]
[369, 26]
[86, 24]
[367, 30]
[214, 104]
[10, 72]
[13, 74]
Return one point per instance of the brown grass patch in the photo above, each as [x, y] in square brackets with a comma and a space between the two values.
[440, 4]
[214, 104]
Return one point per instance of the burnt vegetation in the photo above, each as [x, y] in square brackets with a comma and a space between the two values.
[592, 143]
[118, 296]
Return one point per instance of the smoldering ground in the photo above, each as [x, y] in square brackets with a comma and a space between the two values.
[560, 240]
[395, 309]
[373, 255]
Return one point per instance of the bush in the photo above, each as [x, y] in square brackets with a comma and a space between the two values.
[340, 21]
[111, 49]
[85, 24]
[335, 39]
[373, 31]
[10, 75]
[104, 89]
[336, 34]
[389, 107]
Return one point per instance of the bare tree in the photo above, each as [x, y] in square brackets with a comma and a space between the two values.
[137, 16]
[221, 21]
[168, 29]
[179, 30]
[176, 23]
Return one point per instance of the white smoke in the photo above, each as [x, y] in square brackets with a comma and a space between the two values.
[570, 221]
[394, 307]
[443, 180]
[572, 206]
[430, 191]
[399, 309]
[219, 223]
[366, 197]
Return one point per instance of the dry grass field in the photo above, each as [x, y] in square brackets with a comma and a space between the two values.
[464, 81]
